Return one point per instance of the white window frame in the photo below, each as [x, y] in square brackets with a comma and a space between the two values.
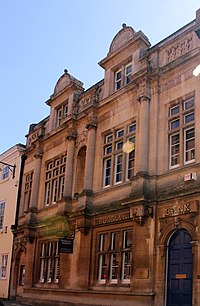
[129, 158]
[61, 113]
[109, 138]
[5, 172]
[185, 141]
[187, 102]
[101, 280]
[186, 115]
[172, 108]
[104, 171]
[170, 154]
[118, 81]
[130, 126]
[55, 180]
[3, 265]
[106, 149]
[118, 133]
[49, 262]
[127, 75]
[2, 213]
[115, 168]
[174, 120]
[59, 117]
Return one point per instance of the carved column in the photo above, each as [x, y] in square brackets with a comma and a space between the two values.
[69, 164]
[90, 154]
[143, 141]
[36, 179]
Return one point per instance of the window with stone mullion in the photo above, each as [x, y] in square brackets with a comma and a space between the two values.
[55, 180]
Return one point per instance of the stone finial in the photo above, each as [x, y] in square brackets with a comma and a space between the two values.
[198, 16]
[65, 71]
[123, 25]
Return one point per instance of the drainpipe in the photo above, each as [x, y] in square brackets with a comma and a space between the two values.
[23, 158]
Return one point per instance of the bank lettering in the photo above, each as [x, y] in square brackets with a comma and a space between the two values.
[177, 210]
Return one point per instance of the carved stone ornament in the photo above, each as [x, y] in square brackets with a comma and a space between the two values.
[177, 222]
[139, 213]
[92, 122]
[82, 138]
[144, 90]
[71, 133]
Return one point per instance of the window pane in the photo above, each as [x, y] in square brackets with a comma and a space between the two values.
[107, 171]
[126, 267]
[127, 243]
[114, 267]
[119, 145]
[102, 268]
[103, 242]
[59, 116]
[108, 138]
[130, 165]
[118, 168]
[174, 110]
[114, 241]
[189, 145]
[108, 150]
[2, 209]
[22, 275]
[118, 80]
[128, 71]
[132, 128]
[5, 172]
[188, 104]
[174, 124]
[119, 133]
[188, 118]
[174, 150]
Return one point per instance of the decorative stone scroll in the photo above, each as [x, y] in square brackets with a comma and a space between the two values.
[179, 49]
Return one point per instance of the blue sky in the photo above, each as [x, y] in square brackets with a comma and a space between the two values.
[41, 38]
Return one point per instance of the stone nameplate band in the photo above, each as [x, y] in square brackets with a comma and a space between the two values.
[112, 219]
[181, 209]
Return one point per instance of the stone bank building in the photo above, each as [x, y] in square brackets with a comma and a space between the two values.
[109, 210]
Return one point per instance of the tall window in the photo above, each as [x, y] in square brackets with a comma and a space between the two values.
[2, 209]
[118, 166]
[181, 133]
[122, 76]
[114, 257]
[27, 189]
[62, 112]
[55, 179]
[5, 172]
[49, 262]
[3, 265]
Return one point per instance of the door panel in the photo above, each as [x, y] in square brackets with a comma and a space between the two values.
[179, 279]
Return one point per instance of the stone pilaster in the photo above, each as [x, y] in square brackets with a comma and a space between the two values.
[90, 154]
[143, 141]
[36, 179]
[71, 137]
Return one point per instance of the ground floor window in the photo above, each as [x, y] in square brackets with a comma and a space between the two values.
[114, 257]
[49, 262]
[22, 275]
[3, 265]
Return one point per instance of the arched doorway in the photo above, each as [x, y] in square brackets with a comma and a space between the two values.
[179, 269]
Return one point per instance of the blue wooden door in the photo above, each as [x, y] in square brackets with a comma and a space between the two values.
[179, 278]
